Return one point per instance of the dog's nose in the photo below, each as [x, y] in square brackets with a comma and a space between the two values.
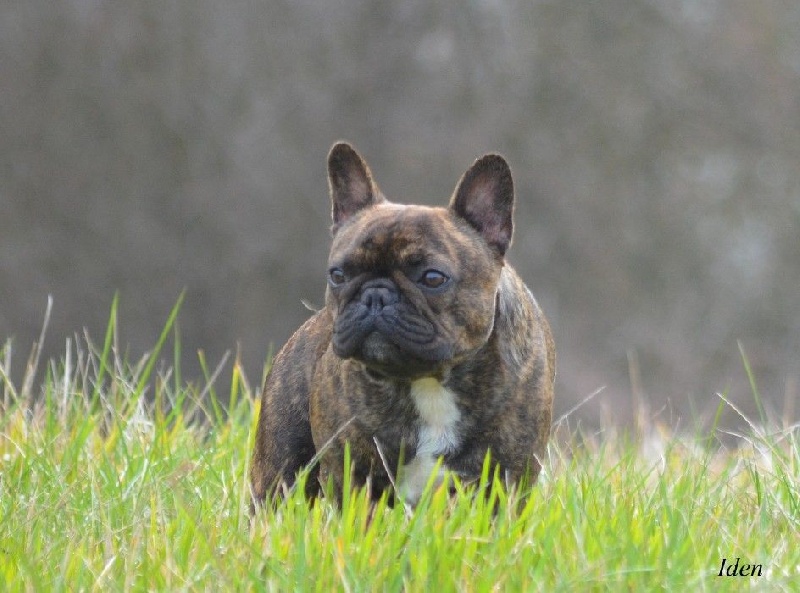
[378, 294]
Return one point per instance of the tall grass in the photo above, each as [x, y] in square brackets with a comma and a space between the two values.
[119, 475]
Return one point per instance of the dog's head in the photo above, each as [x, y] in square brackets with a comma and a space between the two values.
[412, 289]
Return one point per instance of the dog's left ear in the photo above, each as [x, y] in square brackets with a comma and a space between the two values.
[485, 199]
[351, 185]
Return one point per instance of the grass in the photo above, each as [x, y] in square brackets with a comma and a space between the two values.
[117, 475]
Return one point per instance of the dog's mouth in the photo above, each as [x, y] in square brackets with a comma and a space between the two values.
[393, 324]
[382, 328]
[390, 344]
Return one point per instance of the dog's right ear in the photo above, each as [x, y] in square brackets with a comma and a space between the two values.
[351, 185]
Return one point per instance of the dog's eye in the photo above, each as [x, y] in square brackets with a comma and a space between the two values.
[433, 279]
[336, 276]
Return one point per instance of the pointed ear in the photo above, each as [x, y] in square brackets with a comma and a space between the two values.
[485, 199]
[351, 185]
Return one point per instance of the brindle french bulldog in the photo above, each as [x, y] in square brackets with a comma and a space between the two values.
[429, 346]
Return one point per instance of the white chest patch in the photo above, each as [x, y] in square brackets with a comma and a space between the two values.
[438, 414]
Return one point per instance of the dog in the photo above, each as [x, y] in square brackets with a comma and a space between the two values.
[430, 351]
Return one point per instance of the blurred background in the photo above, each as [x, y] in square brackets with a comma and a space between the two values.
[153, 146]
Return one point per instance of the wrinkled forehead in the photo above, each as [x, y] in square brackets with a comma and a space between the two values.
[397, 234]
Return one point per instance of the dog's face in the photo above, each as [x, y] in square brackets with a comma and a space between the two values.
[412, 289]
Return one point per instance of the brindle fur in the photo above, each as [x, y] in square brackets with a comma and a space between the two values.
[489, 342]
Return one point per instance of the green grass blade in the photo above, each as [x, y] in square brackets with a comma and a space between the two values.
[152, 359]
[111, 330]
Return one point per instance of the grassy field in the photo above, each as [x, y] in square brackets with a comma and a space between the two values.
[119, 475]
